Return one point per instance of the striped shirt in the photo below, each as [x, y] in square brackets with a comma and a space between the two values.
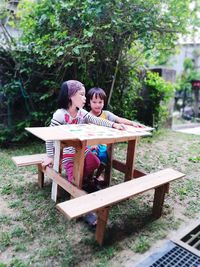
[61, 117]
[105, 114]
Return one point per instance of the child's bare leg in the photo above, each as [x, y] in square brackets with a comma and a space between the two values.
[99, 173]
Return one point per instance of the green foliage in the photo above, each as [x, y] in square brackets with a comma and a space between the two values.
[184, 82]
[86, 37]
[84, 40]
[160, 92]
[129, 84]
[155, 97]
[194, 159]
[159, 89]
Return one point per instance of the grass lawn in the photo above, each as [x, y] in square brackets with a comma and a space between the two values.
[34, 233]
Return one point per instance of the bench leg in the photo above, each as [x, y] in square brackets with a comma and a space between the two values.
[40, 177]
[158, 202]
[167, 188]
[102, 218]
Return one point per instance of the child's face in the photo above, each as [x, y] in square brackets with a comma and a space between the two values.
[79, 99]
[96, 104]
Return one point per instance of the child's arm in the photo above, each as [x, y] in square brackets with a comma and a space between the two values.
[128, 122]
[89, 118]
[112, 117]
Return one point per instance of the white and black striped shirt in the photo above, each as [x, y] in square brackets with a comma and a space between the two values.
[61, 117]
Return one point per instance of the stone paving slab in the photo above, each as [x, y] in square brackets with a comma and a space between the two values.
[194, 130]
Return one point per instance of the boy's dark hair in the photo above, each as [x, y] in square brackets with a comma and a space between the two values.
[97, 92]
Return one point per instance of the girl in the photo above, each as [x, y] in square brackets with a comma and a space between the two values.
[96, 98]
[71, 100]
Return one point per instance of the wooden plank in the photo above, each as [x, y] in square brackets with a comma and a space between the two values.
[79, 165]
[130, 159]
[121, 166]
[40, 176]
[109, 196]
[77, 132]
[102, 218]
[67, 186]
[138, 173]
[28, 160]
[159, 197]
[50, 133]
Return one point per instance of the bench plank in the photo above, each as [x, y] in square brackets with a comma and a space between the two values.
[28, 160]
[114, 194]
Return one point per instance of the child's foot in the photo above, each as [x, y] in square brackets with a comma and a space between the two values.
[91, 186]
[90, 219]
[100, 178]
[100, 182]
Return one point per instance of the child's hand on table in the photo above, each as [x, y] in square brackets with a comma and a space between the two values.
[47, 162]
[119, 126]
[137, 125]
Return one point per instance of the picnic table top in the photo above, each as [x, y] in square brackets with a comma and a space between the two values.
[83, 132]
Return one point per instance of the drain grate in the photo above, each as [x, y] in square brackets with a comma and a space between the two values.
[172, 255]
[178, 257]
[193, 238]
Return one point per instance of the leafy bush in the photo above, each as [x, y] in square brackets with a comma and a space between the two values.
[83, 40]
[152, 107]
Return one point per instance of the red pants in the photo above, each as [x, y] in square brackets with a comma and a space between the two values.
[91, 163]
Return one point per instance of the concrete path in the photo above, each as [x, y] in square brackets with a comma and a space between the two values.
[195, 130]
[187, 128]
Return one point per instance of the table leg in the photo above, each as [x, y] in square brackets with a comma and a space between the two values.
[108, 169]
[79, 164]
[56, 167]
[130, 159]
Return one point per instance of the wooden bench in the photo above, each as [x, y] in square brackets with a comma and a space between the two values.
[102, 200]
[36, 159]
[29, 160]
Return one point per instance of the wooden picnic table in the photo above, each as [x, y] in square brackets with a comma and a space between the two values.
[81, 135]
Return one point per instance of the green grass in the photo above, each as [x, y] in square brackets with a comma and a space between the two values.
[34, 233]
[142, 244]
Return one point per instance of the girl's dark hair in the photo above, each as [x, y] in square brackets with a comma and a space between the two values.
[63, 99]
[67, 90]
